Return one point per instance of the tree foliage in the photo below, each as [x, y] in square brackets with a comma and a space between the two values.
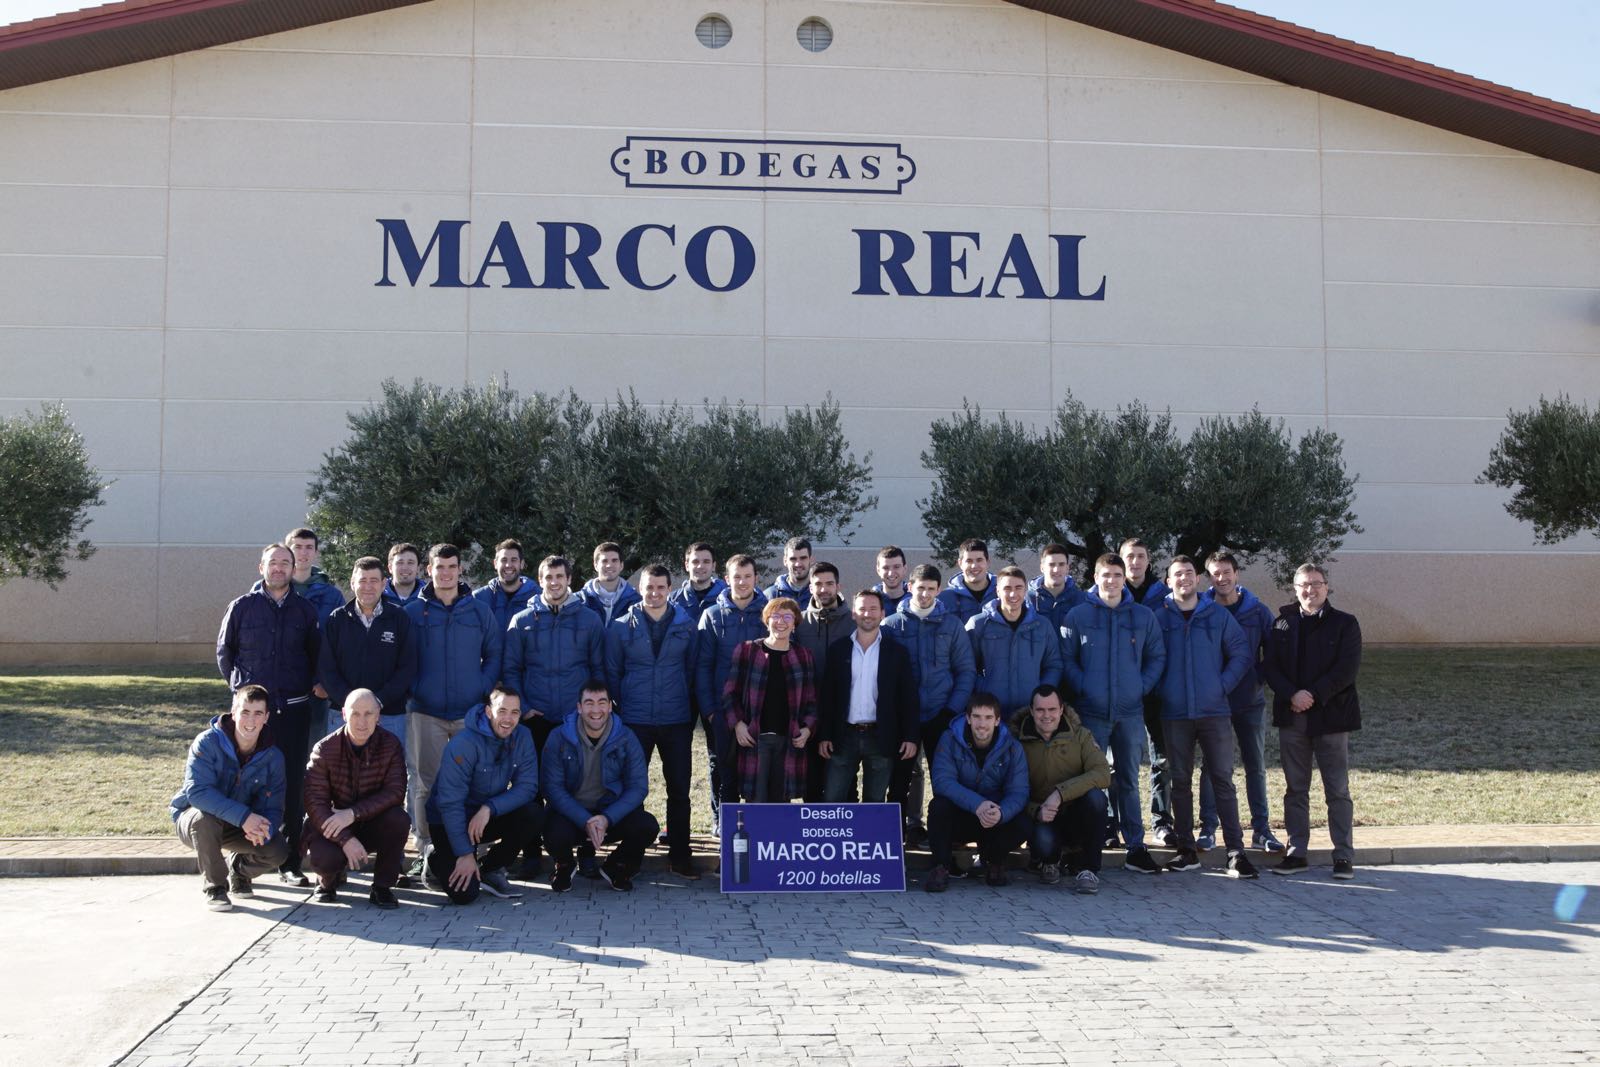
[1090, 479]
[472, 466]
[1550, 456]
[47, 487]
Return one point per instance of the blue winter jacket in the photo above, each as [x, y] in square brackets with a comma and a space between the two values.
[322, 593]
[506, 605]
[416, 591]
[651, 690]
[459, 651]
[1113, 657]
[381, 657]
[1207, 654]
[1052, 606]
[941, 658]
[696, 603]
[1255, 619]
[550, 654]
[1012, 663]
[262, 642]
[1003, 778]
[623, 770]
[479, 769]
[782, 587]
[724, 627]
[627, 597]
[214, 782]
[1151, 594]
[958, 599]
[891, 604]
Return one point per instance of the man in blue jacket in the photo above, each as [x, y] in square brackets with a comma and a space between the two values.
[650, 666]
[1114, 657]
[734, 619]
[459, 654]
[1143, 587]
[699, 592]
[1207, 655]
[891, 583]
[367, 645]
[269, 637]
[942, 664]
[486, 790]
[405, 582]
[980, 788]
[1014, 648]
[973, 587]
[1248, 704]
[232, 799]
[606, 594]
[508, 592]
[595, 781]
[1054, 593]
[794, 582]
[553, 646]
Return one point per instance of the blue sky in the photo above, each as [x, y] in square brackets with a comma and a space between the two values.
[1547, 47]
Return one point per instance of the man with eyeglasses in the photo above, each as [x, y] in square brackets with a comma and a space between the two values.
[1312, 658]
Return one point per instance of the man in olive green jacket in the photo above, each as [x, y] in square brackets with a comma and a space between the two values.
[1067, 778]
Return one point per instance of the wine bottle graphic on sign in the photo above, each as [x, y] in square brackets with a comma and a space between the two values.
[741, 853]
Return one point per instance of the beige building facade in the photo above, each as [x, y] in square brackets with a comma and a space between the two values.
[209, 257]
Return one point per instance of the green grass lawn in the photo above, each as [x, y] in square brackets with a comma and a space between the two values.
[1469, 735]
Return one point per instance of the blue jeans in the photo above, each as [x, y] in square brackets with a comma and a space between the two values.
[1250, 727]
[1123, 740]
[1078, 828]
[859, 748]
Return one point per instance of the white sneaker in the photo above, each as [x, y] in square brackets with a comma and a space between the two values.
[1087, 883]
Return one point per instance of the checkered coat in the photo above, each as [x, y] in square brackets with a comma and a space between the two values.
[745, 693]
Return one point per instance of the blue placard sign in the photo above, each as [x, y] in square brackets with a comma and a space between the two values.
[812, 848]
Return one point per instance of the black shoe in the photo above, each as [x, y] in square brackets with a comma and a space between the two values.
[1291, 864]
[615, 878]
[239, 883]
[217, 898]
[1164, 835]
[995, 874]
[290, 876]
[327, 894]
[1141, 862]
[938, 880]
[588, 866]
[1186, 860]
[915, 836]
[1239, 866]
[561, 881]
[685, 868]
[383, 897]
[1344, 870]
[528, 870]
[412, 875]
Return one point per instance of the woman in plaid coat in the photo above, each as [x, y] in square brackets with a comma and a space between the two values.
[772, 723]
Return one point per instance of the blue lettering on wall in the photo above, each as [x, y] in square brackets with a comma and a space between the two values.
[947, 267]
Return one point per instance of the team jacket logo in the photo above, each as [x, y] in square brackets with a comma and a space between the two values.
[769, 166]
[387, 637]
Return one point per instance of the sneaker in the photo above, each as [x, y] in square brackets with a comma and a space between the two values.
[995, 874]
[716, 825]
[1290, 865]
[1186, 860]
[217, 898]
[662, 840]
[1164, 835]
[291, 877]
[1112, 841]
[1344, 870]
[685, 868]
[412, 875]
[915, 836]
[239, 883]
[383, 897]
[1141, 862]
[1266, 842]
[327, 893]
[938, 880]
[561, 881]
[588, 866]
[1086, 883]
[528, 870]
[614, 876]
[1205, 841]
[496, 884]
[1239, 866]
[1050, 873]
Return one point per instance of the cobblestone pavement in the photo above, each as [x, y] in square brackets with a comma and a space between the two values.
[1462, 964]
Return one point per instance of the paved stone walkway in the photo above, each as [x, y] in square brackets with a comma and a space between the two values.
[1462, 964]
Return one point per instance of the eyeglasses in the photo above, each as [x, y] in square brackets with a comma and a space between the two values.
[789, 615]
[1311, 585]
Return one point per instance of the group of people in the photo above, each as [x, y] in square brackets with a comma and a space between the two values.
[521, 717]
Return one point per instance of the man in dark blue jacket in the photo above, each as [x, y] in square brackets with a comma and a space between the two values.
[405, 582]
[698, 593]
[1207, 655]
[794, 582]
[650, 666]
[1143, 587]
[891, 583]
[459, 655]
[508, 592]
[1248, 704]
[980, 788]
[734, 619]
[232, 799]
[607, 594]
[1014, 648]
[486, 790]
[973, 586]
[1054, 593]
[269, 637]
[595, 781]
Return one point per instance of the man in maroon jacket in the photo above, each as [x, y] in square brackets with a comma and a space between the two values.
[355, 796]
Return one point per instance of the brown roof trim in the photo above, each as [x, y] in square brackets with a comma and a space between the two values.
[1355, 72]
[112, 35]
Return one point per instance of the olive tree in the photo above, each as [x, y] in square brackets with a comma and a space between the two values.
[1550, 456]
[47, 487]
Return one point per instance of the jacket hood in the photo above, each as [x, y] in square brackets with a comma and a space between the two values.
[992, 610]
[1024, 729]
[1037, 587]
[958, 582]
[675, 614]
[223, 724]
[717, 586]
[572, 729]
[429, 593]
[478, 722]
[1092, 596]
[1247, 599]
[758, 600]
[500, 587]
[841, 609]
[958, 730]
[939, 611]
[1202, 605]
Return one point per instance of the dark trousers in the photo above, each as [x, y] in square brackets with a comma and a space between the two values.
[510, 834]
[1160, 765]
[949, 826]
[771, 751]
[855, 750]
[1332, 755]
[632, 835]
[1215, 737]
[209, 836]
[291, 727]
[721, 765]
[1078, 831]
[900, 777]
[816, 772]
[677, 765]
[384, 835]
[540, 727]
